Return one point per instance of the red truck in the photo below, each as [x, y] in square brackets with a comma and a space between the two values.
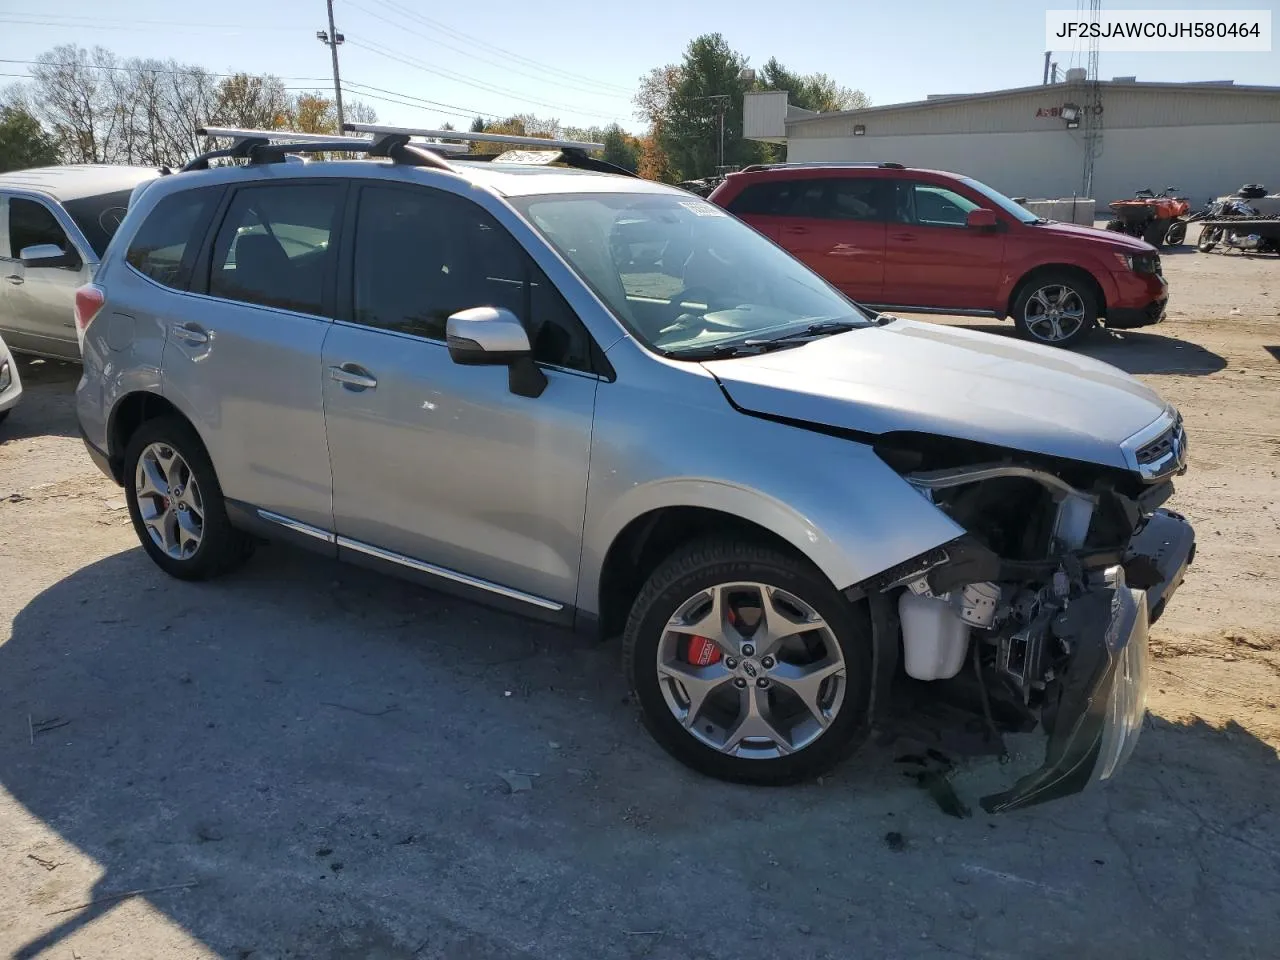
[924, 241]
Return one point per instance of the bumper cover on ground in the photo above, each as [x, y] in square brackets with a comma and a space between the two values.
[1097, 718]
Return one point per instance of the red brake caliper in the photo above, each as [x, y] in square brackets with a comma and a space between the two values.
[703, 652]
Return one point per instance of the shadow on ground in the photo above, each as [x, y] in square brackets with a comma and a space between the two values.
[1135, 351]
[320, 750]
[48, 404]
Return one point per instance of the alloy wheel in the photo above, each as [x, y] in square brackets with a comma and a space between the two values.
[1054, 313]
[751, 670]
[169, 501]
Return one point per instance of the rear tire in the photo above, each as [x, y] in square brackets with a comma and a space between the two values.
[806, 687]
[176, 503]
[1154, 232]
[1115, 226]
[1208, 239]
[1073, 298]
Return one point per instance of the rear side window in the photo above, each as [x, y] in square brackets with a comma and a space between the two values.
[166, 245]
[274, 246]
[826, 198]
[421, 255]
[32, 224]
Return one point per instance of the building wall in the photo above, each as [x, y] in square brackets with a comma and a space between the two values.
[1202, 161]
[1124, 106]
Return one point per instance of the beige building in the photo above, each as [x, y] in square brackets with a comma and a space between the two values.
[1206, 139]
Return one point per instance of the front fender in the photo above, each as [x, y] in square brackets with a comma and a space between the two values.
[1017, 272]
[832, 499]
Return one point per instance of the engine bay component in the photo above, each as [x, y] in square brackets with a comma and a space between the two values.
[979, 603]
[934, 638]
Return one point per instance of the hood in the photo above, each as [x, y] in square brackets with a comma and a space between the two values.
[946, 381]
[1105, 238]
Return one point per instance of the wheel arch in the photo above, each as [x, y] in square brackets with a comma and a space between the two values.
[1083, 273]
[128, 414]
[652, 537]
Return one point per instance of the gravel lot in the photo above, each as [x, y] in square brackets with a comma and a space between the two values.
[317, 752]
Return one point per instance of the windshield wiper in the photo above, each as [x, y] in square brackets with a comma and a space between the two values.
[822, 328]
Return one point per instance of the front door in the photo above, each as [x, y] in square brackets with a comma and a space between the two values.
[242, 352]
[440, 467]
[932, 259]
[37, 306]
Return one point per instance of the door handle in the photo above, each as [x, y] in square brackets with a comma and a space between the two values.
[14, 279]
[904, 237]
[796, 230]
[353, 376]
[190, 333]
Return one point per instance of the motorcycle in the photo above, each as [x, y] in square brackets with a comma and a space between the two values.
[1159, 219]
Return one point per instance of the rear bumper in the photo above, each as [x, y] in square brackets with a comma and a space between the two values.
[1099, 713]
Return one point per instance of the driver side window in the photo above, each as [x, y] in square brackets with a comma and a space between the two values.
[32, 224]
[930, 205]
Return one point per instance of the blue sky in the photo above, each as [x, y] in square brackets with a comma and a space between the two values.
[582, 67]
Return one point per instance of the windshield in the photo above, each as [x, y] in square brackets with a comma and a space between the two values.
[1013, 209]
[682, 274]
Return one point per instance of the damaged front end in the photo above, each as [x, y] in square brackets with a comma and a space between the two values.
[1047, 599]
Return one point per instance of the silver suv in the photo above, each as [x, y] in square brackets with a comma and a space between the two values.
[55, 222]
[608, 404]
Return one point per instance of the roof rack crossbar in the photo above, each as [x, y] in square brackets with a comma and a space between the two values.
[468, 136]
[832, 164]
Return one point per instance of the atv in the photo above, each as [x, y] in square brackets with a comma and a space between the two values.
[1158, 219]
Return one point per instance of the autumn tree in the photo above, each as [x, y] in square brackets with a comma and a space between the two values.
[812, 91]
[252, 102]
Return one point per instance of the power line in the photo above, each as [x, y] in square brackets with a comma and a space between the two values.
[577, 87]
[102, 66]
[417, 106]
[463, 111]
[471, 81]
[84, 23]
[458, 34]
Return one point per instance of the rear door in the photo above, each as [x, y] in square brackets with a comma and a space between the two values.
[242, 353]
[836, 226]
[932, 259]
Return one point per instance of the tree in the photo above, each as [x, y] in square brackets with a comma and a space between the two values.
[23, 142]
[709, 85]
[252, 102]
[75, 100]
[477, 125]
[620, 148]
[520, 125]
[814, 91]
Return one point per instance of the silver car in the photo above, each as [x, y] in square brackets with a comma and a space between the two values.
[606, 403]
[55, 223]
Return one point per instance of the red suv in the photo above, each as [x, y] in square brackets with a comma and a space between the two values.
[923, 241]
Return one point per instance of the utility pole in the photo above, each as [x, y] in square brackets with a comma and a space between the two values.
[721, 101]
[331, 38]
[1047, 55]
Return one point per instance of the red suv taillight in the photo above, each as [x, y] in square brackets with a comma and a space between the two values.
[89, 300]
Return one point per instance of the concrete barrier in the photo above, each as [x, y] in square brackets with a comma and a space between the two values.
[1071, 210]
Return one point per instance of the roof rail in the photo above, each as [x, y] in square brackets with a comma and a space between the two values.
[572, 153]
[382, 131]
[803, 165]
[271, 146]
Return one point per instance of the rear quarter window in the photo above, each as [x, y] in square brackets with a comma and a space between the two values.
[166, 245]
[99, 217]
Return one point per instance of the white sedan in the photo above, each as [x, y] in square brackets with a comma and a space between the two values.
[10, 382]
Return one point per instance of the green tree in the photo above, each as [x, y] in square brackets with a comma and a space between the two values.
[23, 142]
[813, 91]
[620, 148]
[477, 125]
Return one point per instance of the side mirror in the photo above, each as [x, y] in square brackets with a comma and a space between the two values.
[981, 220]
[494, 336]
[48, 255]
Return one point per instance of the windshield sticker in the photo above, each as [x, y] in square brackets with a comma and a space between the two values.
[701, 209]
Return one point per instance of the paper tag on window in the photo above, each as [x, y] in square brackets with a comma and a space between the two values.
[698, 208]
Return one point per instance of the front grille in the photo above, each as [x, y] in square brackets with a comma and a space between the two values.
[1172, 441]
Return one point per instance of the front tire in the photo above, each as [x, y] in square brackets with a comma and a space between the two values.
[1208, 239]
[1057, 309]
[747, 665]
[176, 503]
[1176, 233]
